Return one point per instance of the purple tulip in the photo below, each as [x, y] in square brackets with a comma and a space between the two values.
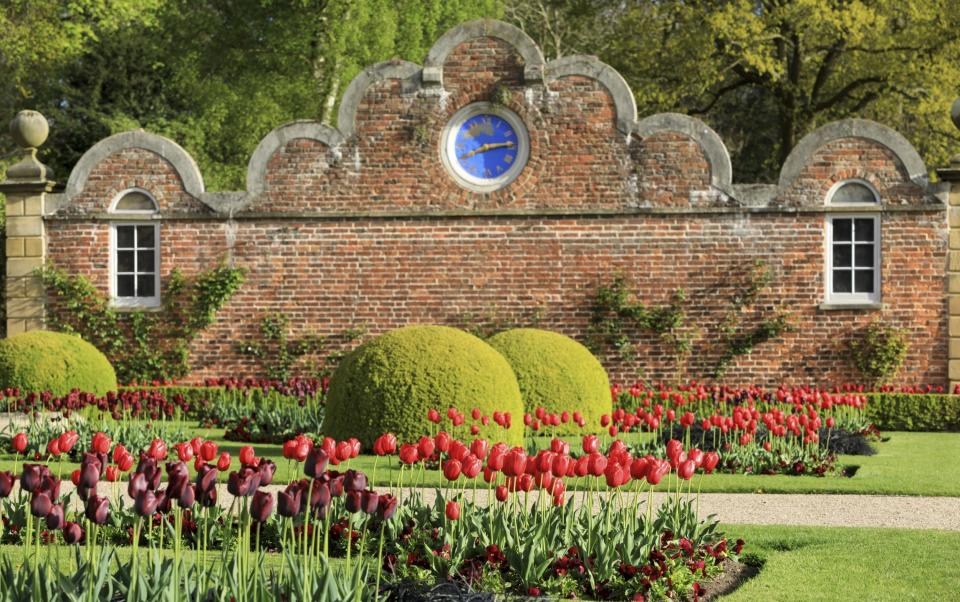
[55, 517]
[208, 498]
[207, 478]
[6, 484]
[316, 463]
[288, 502]
[369, 501]
[353, 501]
[320, 496]
[261, 507]
[72, 533]
[243, 482]
[354, 480]
[41, 505]
[30, 479]
[98, 509]
[89, 475]
[145, 504]
[188, 497]
[137, 485]
[387, 506]
[266, 469]
[50, 485]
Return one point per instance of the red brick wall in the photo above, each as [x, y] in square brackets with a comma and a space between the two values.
[330, 269]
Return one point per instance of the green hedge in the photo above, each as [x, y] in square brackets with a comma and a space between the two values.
[389, 383]
[914, 411]
[52, 361]
[557, 373]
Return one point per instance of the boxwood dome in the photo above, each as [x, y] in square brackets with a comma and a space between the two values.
[389, 384]
[39, 361]
[558, 373]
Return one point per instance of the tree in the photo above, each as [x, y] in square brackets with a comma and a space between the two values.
[766, 72]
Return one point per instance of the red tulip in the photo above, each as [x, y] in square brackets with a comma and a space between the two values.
[247, 456]
[656, 471]
[451, 469]
[590, 444]
[597, 464]
[157, 450]
[53, 447]
[615, 476]
[458, 451]
[831, 422]
[118, 452]
[101, 443]
[208, 451]
[67, 441]
[638, 468]
[475, 413]
[442, 441]
[385, 444]
[472, 466]
[19, 442]
[480, 448]
[184, 452]
[425, 447]
[75, 477]
[433, 416]
[502, 493]
[223, 462]
[113, 473]
[408, 453]
[125, 462]
[453, 510]
[674, 448]
[696, 455]
[710, 460]
[686, 470]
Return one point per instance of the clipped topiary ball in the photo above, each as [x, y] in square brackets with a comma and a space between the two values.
[557, 373]
[39, 360]
[389, 384]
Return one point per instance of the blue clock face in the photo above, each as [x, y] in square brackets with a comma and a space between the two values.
[486, 146]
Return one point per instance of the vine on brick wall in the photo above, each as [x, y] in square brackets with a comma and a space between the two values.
[879, 350]
[278, 352]
[491, 321]
[142, 345]
[738, 340]
[616, 312]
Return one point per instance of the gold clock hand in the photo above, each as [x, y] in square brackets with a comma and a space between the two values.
[488, 147]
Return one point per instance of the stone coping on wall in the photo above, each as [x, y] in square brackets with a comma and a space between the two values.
[508, 214]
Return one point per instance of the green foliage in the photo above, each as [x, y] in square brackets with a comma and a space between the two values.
[557, 373]
[278, 353]
[142, 345]
[739, 339]
[617, 313]
[389, 383]
[765, 72]
[914, 411]
[40, 361]
[879, 350]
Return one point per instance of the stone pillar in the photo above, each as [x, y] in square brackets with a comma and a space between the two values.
[26, 187]
[951, 175]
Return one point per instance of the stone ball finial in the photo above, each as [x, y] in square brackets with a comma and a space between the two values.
[955, 113]
[29, 129]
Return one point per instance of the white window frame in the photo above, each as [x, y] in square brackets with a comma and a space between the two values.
[853, 298]
[136, 218]
[116, 200]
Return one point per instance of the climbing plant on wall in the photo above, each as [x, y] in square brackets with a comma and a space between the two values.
[141, 345]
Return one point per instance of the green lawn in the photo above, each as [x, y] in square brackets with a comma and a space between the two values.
[817, 563]
[906, 464]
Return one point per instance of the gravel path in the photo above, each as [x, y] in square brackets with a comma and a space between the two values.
[763, 509]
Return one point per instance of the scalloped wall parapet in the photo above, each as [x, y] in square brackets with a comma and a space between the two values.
[537, 78]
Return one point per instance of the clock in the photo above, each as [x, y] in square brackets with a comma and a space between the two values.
[484, 146]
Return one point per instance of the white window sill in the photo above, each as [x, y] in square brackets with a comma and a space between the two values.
[848, 305]
[129, 307]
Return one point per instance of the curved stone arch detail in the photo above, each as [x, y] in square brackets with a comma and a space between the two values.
[893, 140]
[533, 61]
[347, 114]
[169, 150]
[276, 139]
[721, 170]
[594, 68]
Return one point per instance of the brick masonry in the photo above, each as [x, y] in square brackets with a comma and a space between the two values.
[369, 231]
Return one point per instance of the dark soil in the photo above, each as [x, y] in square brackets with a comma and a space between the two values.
[840, 441]
[734, 575]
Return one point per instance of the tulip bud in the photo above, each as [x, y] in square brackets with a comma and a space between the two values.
[453, 510]
[72, 533]
[261, 506]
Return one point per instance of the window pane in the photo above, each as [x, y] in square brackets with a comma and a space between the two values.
[864, 256]
[863, 281]
[145, 286]
[125, 286]
[145, 261]
[145, 237]
[125, 236]
[841, 256]
[841, 229]
[125, 261]
[863, 229]
[841, 281]
[853, 192]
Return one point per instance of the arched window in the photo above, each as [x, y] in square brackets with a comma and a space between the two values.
[853, 243]
[134, 250]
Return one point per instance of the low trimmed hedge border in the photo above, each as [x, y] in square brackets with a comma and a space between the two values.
[914, 411]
